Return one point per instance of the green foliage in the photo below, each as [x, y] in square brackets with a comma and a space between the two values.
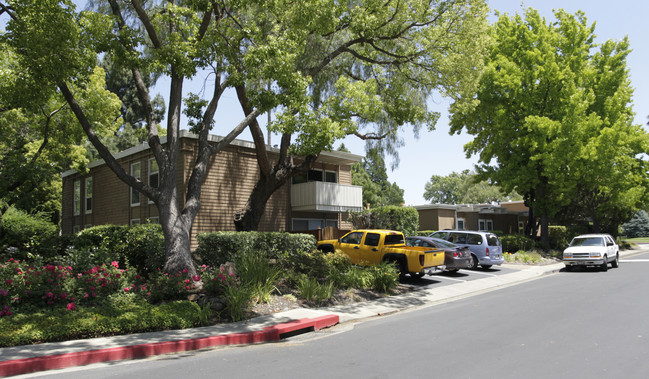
[522, 256]
[552, 119]
[385, 277]
[256, 273]
[140, 246]
[371, 174]
[122, 314]
[403, 219]
[217, 248]
[23, 235]
[512, 243]
[559, 237]
[638, 226]
[464, 188]
[311, 289]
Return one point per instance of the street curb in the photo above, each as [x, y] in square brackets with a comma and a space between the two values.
[267, 334]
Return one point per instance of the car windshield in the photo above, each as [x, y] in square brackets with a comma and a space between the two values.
[587, 241]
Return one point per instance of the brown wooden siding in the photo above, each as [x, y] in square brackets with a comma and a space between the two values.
[232, 175]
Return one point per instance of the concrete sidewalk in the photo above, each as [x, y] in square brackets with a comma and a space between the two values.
[33, 358]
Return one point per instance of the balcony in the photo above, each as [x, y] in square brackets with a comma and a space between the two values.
[326, 197]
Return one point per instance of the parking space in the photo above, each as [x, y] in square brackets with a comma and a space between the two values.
[443, 278]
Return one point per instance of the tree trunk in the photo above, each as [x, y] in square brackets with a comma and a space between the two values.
[249, 217]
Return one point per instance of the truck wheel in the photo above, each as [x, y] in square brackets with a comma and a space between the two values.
[604, 266]
[417, 275]
[568, 268]
[616, 262]
[474, 263]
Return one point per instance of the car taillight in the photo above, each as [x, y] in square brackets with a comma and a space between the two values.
[456, 254]
[487, 251]
[421, 259]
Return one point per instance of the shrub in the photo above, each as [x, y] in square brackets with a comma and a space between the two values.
[403, 219]
[513, 242]
[258, 275]
[638, 226]
[140, 246]
[385, 277]
[217, 248]
[558, 236]
[23, 236]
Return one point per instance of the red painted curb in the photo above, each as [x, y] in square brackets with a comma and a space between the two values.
[267, 334]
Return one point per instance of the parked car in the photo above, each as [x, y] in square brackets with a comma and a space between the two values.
[485, 247]
[455, 257]
[592, 250]
[372, 247]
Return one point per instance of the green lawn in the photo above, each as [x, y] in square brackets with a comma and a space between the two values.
[638, 240]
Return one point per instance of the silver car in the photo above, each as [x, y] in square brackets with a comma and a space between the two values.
[485, 247]
[592, 250]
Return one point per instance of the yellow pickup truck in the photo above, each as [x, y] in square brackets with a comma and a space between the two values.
[371, 247]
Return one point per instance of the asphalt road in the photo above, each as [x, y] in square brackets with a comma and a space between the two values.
[583, 324]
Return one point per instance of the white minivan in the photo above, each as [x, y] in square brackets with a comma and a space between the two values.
[485, 247]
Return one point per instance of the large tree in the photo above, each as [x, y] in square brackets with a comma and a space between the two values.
[552, 119]
[464, 188]
[39, 136]
[323, 65]
[369, 68]
[371, 174]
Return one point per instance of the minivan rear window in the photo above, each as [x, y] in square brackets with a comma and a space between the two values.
[492, 240]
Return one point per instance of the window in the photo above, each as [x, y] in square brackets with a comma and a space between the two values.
[460, 224]
[315, 175]
[76, 229]
[88, 195]
[485, 224]
[135, 221]
[136, 172]
[153, 173]
[372, 239]
[353, 238]
[77, 198]
[312, 224]
[153, 220]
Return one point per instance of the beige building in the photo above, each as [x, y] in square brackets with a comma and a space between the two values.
[319, 199]
[508, 218]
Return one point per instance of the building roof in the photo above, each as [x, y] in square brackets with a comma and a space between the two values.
[331, 157]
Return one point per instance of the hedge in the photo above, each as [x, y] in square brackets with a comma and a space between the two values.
[139, 246]
[217, 248]
[22, 235]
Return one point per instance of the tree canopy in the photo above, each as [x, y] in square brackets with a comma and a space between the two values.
[371, 174]
[552, 120]
[40, 137]
[464, 188]
[328, 69]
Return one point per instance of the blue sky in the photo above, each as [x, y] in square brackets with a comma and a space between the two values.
[437, 152]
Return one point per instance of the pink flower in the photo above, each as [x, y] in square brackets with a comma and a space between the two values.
[8, 281]
[49, 294]
[114, 264]
[50, 268]
[127, 289]
[4, 292]
[71, 306]
[186, 281]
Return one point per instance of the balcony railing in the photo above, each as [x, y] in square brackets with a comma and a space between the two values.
[326, 197]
